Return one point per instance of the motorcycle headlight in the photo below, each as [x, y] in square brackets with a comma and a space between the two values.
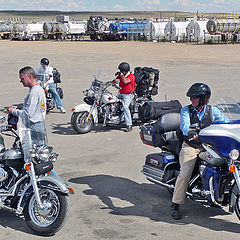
[234, 154]
[31, 153]
[43, 152]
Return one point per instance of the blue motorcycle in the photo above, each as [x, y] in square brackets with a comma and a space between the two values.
[215, 180]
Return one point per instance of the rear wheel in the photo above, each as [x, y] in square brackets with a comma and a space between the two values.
[80, 123]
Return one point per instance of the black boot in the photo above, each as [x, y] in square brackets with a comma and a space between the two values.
[175, 211]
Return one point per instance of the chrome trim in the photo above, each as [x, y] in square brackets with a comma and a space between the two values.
[150, 178]
[13, 188]
[212, 192]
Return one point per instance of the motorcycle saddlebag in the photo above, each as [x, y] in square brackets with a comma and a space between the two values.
[150, 137]
[60, 92]
[153, 110]
[160, 166]
[162, 132]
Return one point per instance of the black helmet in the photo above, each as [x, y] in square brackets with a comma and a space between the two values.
[44, 61]
[124, 67]
[200, 90]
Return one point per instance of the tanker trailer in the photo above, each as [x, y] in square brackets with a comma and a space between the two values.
[121, 29]
[17, 32]
[155, 30]
[34, 31]
[77, 29]
[196, 31]
[55, 30]
[175, 31]
[5, 30]
[216, 26]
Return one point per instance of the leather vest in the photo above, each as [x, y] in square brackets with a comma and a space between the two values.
[206, 121]
[207, 117]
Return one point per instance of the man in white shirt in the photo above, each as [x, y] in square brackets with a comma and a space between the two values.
[45, 69]
[34, 107]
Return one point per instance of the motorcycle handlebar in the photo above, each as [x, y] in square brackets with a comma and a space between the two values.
[116, 86]
[4, 128]
[111, 83]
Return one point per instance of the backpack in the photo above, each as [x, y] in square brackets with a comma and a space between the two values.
[146, 80]
[56, 76]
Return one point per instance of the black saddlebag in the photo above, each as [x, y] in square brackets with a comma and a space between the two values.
[154, 110]
[150, 137]
[160, 166]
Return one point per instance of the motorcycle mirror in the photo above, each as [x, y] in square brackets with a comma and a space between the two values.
[2, 119]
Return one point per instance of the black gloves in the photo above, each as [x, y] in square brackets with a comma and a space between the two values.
[117, 73]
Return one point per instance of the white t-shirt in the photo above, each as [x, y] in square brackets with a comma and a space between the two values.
[48, 71]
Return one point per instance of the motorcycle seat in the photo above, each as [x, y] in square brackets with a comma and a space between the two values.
[167, 122]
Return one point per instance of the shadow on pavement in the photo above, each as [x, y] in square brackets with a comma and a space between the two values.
[13, 221]
[66, 129]
[151, 201]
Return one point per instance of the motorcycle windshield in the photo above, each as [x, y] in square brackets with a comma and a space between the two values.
[230, 108]
[30, 133]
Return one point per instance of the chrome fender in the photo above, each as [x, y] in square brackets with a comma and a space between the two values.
[49, 182]
[84, 108]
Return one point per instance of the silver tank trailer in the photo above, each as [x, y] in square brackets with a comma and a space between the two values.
[19, 27]
[54, 27]
[77, 27]
[6, 27]
[215, 26]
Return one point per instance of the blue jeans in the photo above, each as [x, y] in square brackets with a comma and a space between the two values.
[127, 99]
[38, 133]
[53, 90]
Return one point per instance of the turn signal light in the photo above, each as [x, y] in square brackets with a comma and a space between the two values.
[232, 169]
[45, 90]
[27, 167]
[73, 109]
[70, 190]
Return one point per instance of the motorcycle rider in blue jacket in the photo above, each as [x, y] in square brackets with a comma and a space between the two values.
[203, 114]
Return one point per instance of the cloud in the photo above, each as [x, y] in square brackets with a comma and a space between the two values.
[183, 3]
[118, 7]
[132, 5]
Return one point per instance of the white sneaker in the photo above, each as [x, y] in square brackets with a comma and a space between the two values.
[62, 110]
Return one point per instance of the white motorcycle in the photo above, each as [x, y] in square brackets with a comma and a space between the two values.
[102, 107]
[28, 183]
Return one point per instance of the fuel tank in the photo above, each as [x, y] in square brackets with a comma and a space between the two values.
[223, 137]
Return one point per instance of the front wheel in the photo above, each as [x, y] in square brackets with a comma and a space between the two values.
[237, 206]
[52, 217]
[80, 123]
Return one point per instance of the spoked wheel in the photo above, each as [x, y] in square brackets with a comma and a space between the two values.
[80, 123]
[237, 207]
[52, 217]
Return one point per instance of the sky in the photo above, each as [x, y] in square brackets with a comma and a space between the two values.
[123, 5]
